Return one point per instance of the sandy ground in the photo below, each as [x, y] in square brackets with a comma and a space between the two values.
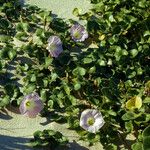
[17, 130]
[62, 8]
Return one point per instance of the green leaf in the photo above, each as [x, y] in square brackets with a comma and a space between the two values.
[73, 122]
[54, 76]
[146, 132]
[112, 113]
[124, 52]
[142, 3]
[132, 19]
[48, 61]
[134, 52]
[11, 54]
[129, 116]
[40, 32]
[45, 15]
[146, 100]
[22, 36]
[4, 101]
[72, 100]
[67, 89]
[43, 94]
[112, 147]
[50, 104]
[129, 126]
[111, 18]
[97, 81]
[113, 39]
[139, 71]
[146, 143]
[146, 33]
[87, 60]
[23, 26]
[131, 74]
[5, 38]
[102, 62]
[137, 146]
[147, 84]
[33, 78]
[79, 71]
[4, 23]
[29, 88]
[77, 86]
[92, 70]
[75, 12]
[45, 82]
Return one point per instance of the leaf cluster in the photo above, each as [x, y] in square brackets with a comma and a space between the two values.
[103, 72]
[49, 139]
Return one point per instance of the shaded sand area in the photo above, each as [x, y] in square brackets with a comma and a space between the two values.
[17, 130]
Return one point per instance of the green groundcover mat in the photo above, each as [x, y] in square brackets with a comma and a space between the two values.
[75, 74]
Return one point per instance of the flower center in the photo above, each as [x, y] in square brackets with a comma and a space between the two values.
[77, 35]
[90, 121]
[28, 104]
[53, 47]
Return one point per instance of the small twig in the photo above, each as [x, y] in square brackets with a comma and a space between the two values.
[124, 141]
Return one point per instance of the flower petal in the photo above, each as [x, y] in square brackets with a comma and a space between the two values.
[92, 129]
[33, 107]
[78, 33]
[54, 46]
[98, 120]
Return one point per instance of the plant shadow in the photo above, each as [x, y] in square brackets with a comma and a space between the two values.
[4, 115]
[13, 143]
[75, 146]
[121, 140]
[53, 117]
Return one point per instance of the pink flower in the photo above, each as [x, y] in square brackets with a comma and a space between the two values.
[31, 105]
[78, 33]
[91, 120]
[54, 46]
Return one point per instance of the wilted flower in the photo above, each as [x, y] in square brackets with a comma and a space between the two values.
[134, 102]
[78, 33]
[31, 105]
[147, 89]
[54, 46]
[91, 120]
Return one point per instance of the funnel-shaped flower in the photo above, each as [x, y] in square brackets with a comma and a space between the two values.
[78, 33]
[134, 102]
[91, 120]
[31, 105]
[54, 46]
